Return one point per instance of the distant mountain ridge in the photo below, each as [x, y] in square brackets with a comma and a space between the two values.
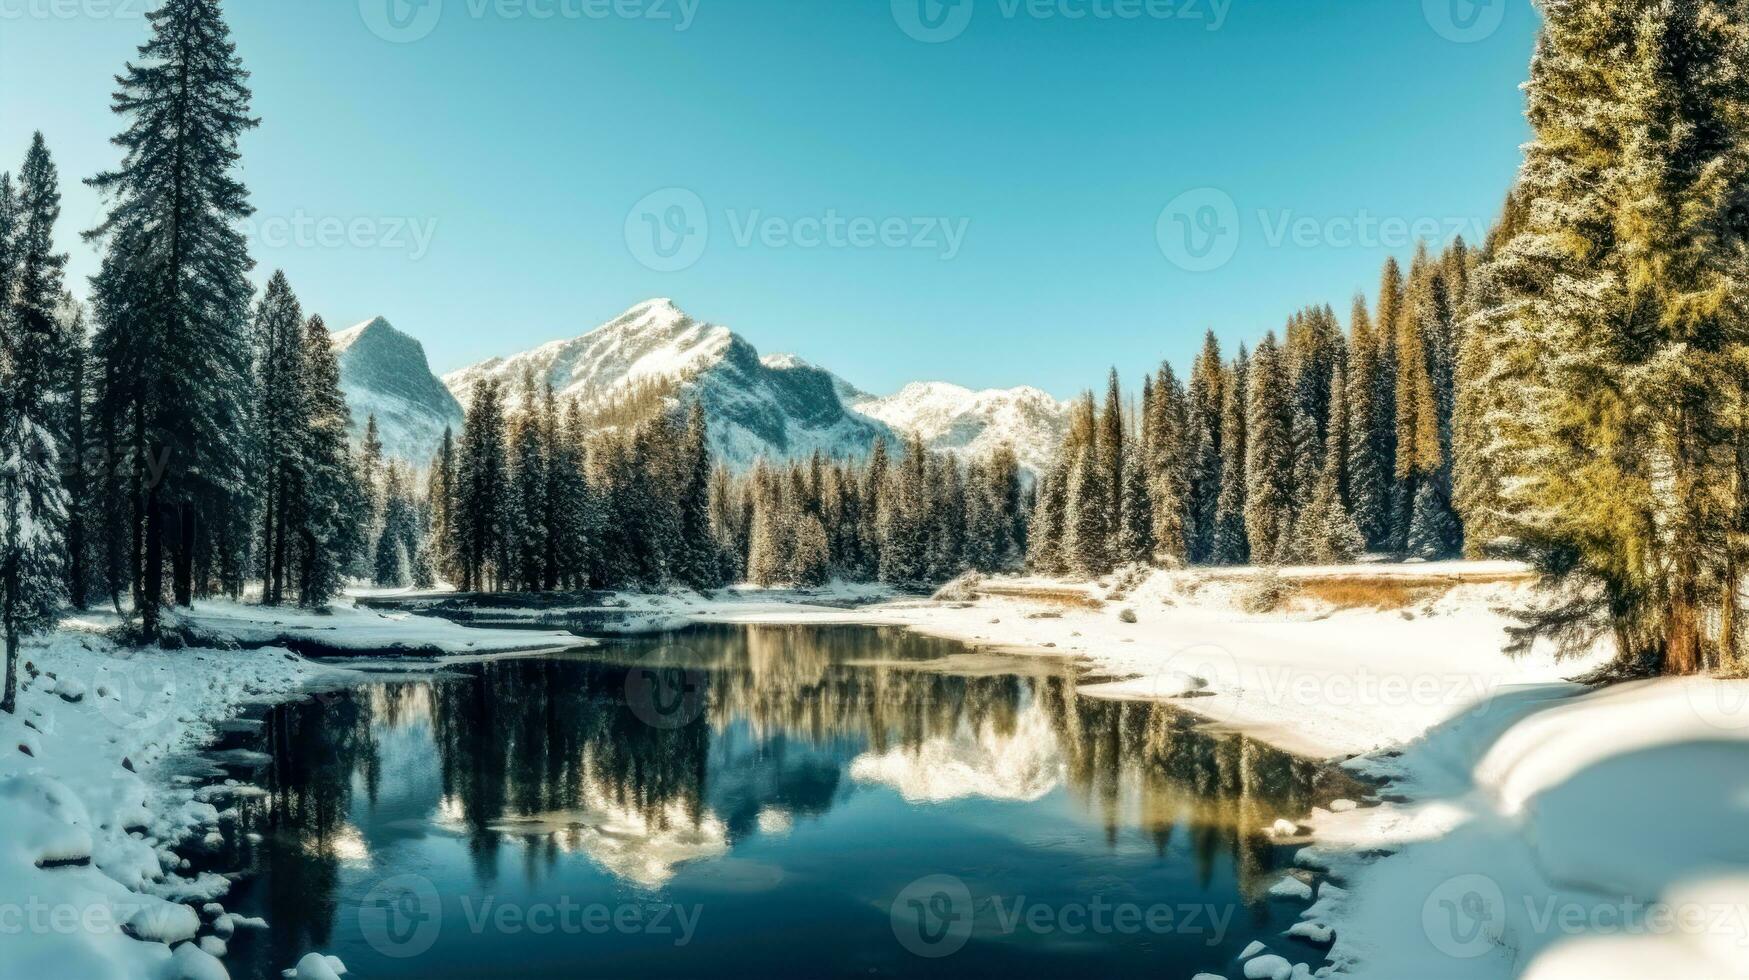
[776, 406]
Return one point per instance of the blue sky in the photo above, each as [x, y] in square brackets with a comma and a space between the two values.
[1022, 196]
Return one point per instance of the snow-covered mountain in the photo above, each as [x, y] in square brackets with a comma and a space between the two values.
[777, 407]
[384, 372]
[973, 423]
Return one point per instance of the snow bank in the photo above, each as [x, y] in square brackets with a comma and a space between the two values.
[89, 821]
[342, 629]
[1564, 835]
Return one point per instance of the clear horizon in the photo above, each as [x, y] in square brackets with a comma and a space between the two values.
[891, 200]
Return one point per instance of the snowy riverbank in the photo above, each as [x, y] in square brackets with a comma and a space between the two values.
[96, 777]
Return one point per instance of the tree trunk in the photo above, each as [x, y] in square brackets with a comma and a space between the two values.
[268, 596]
[182, 565]
[151, 594]
[9, 700]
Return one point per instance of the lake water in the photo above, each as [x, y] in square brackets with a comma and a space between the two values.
[757, 801]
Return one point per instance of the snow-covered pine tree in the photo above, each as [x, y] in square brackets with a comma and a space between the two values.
[1491, 387]
[1232, 544]
[1425, 398]
[1203, 448]
[172, 294]
[327, 521]
[1169, 477]
[1328, 534]
[1268, 454]
[1044, 553]
[1003, 470]
[279, 418]
[572, 502]
[1086, 538]
[1111, 456]
[1368, 486]
[1637, 213]
[698, 565]
[875, 489]
[526, 509]
[730, 527]
[1135, 534]
[440, 498]
[481, 468]
[32, 507]
[76, 460]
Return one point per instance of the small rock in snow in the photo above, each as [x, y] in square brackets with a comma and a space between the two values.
[213, 946]
[1284, 828]
[1252, 950]
[1291, 887]
[1315, 932]
[315, 966]
[1342, 806]
[164, 922]
[190, 962]
[1270, 967]
[1127, 616]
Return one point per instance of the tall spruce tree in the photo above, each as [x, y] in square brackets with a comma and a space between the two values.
[1232, 544]
[172, 292]
[1169, 452]
[1203, 415]
[1268, 453]
[1636, 229]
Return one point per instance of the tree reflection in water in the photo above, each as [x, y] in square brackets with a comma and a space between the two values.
[547, 752]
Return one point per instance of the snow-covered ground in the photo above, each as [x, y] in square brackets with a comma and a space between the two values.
[93, 805]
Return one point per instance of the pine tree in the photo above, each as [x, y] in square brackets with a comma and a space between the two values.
[1111, 457]
[280, 403]
[1169, 462]
[325, 524]
[1232, 545]
[1368, 486]
[81, 492]
[699, 565]
[172, 293]
[1135, 537]
[1637, 234]
[1327, 531]
[481, 473]
[32, 504]
[1268, 452]
[1204, 448]
[1086, 536]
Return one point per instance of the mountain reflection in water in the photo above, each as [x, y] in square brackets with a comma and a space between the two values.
[790, 780]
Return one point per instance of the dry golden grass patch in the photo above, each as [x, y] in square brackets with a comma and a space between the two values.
[1066, 598]
[1379, 592]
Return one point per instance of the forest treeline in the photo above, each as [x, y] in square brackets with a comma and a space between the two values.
[1574, 392]
[1315, 447]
